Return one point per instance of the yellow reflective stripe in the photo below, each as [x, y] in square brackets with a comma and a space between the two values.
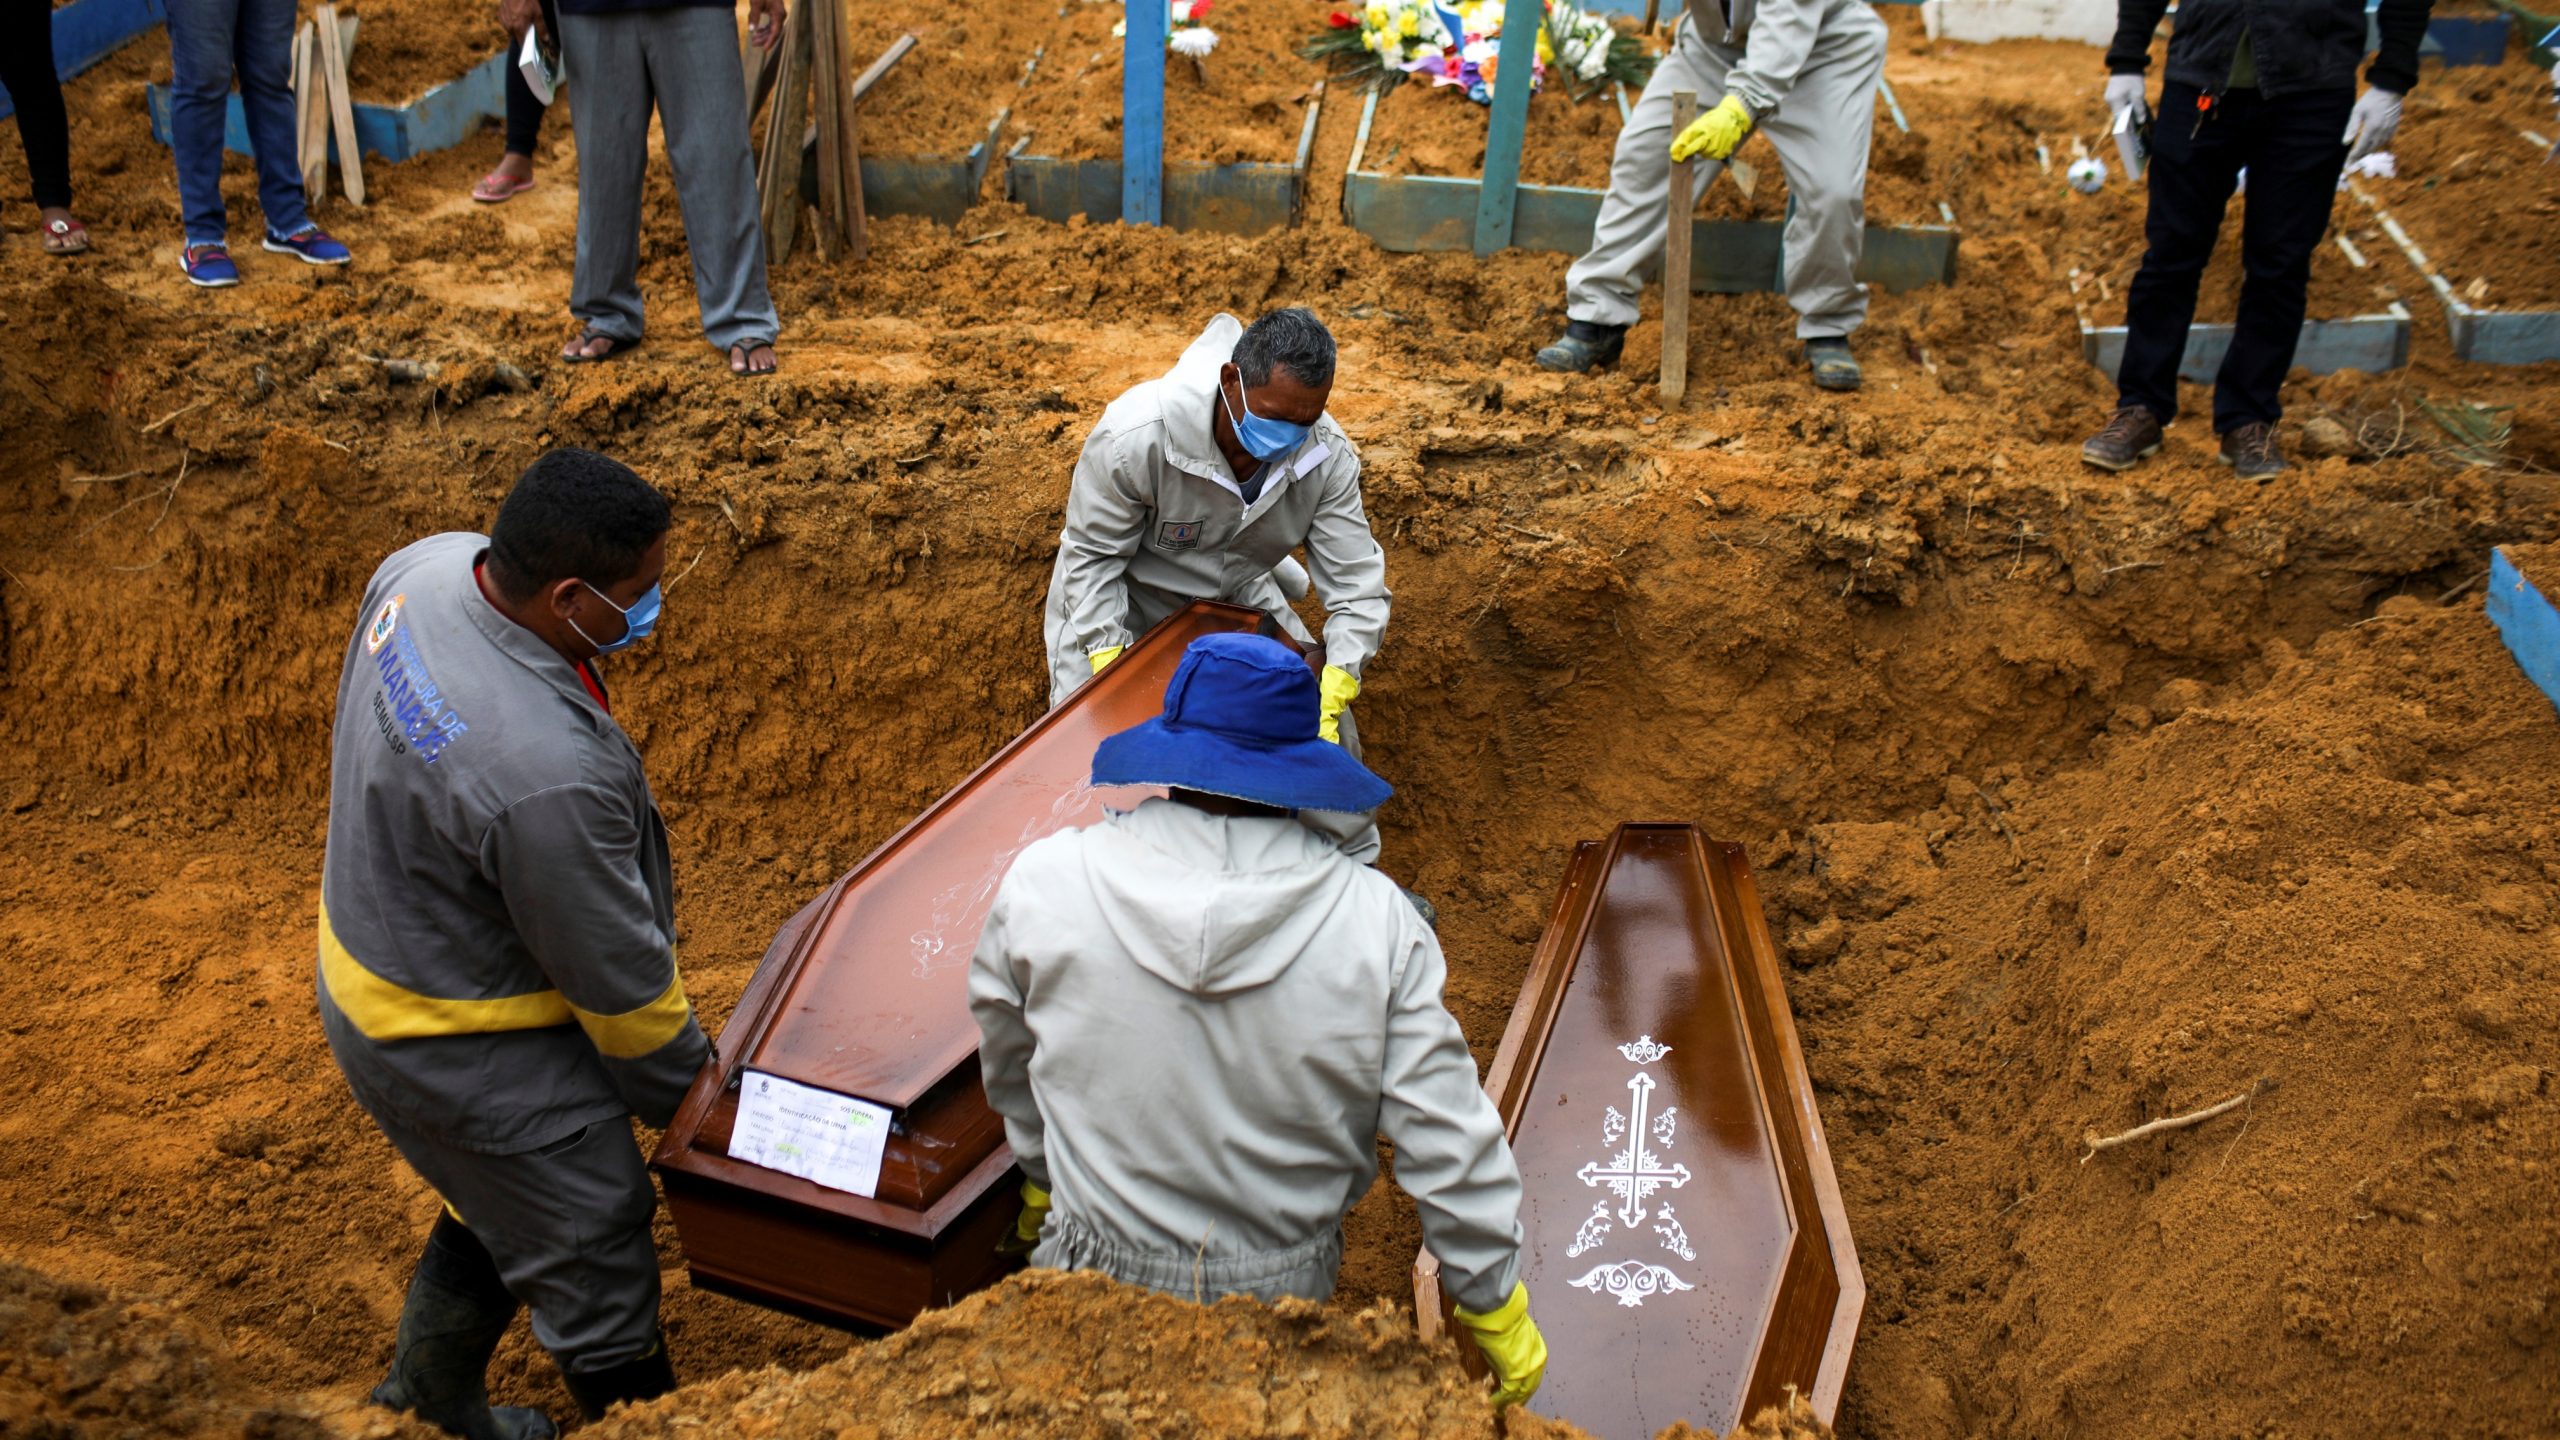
[635, 1033]
[381, 1010]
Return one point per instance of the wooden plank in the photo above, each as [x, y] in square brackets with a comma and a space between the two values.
[826, 110]
[761, 63]
[850, 220]
[1142, 113]
[2370, 343]
[778, 176]
[1675, 260]
[879, 69]
[310, 114]
[1248, 199]
[2526, 621]
[342, 116]
[1507, 130]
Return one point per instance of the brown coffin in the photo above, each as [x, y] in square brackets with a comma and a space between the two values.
[1686, 1251]
[865, 993]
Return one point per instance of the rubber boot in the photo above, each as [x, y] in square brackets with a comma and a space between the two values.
[646, 1378]
[456, 1312]
[1583, 345]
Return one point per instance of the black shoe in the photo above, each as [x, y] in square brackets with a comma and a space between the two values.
[646, 1378]
[1834, 368]
[456, 1311]
[2252, 451]
[1583, 346]
[2130, 434]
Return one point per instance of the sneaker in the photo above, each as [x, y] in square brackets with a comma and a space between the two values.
[2252, 452]
[1834, 368]
[1584, 345]
[312, 244]
[2131, 434]
[209, 266]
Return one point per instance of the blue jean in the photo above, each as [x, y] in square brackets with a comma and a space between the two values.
[209, 42]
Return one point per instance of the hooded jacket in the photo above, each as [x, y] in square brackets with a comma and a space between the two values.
[497, 963]
[1155, 519]
[2299, 45]
[1195, 1027]
[1777, 38]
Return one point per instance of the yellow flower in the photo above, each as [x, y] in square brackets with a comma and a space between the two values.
[1409, 24]
[1376, 17]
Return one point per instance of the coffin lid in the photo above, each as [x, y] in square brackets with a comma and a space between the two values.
[1686, 1251]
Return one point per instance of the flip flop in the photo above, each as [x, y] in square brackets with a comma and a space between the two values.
[65, 237]
[739, 352]
[617, 344]
[497, 187]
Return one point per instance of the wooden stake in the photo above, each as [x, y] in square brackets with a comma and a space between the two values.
[310, 133]
[826, 65]
[1675, 261]
[342, 115]
[879, 70]
[779, 179]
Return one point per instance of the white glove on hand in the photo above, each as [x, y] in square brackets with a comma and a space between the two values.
[2374, 121]
[2124, 92]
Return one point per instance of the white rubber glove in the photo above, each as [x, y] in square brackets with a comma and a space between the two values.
[2125, 92]
[2371, 125]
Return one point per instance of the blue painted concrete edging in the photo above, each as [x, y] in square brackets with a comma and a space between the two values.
[438, 120]
[2526, 621]
[88, 31]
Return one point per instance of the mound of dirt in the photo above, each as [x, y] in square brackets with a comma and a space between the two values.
[2329, 885]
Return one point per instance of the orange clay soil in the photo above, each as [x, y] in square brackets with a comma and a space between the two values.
[1251, 107]
[2481, 200]
[2080, 800]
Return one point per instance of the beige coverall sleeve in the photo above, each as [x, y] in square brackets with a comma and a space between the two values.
[1348, 568]
[1775, 52]
[1451, 1154]
[1106, 518]
[996, 986]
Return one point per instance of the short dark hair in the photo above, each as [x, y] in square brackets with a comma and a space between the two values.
[1293, 339]
[574, 515]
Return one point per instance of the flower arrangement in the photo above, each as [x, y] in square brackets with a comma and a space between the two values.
[1459, 43]
[1191, 35]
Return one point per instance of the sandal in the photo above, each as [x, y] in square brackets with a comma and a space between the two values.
[742, 366]
[498, 187]
[65, 237]
[614, 345]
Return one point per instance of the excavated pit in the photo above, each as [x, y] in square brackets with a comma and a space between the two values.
[2077, 800]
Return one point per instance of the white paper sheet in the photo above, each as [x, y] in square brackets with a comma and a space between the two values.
[540, 76]
[830, 1139]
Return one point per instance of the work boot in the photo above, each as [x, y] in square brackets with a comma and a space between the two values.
[2132, 433]
[1584, 345]
[456, 1312]
[2252, 452]
[1834, 368]
[646, 1378]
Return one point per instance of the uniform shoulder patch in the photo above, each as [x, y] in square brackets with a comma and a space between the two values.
[385, 620]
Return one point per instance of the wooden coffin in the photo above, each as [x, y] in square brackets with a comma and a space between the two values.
[865, 994]
[1687, 1254]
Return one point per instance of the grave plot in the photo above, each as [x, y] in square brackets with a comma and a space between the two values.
[423, 75]
[930, 125]
[86, 31]
[1236, 125]
[2474, 205]
[1415, 183]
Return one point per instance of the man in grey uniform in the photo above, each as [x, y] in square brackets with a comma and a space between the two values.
[1802, 71]
[497, 971]
[1196, 486]
[1197, 1017]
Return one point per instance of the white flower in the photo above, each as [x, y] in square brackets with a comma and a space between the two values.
[1195, 42]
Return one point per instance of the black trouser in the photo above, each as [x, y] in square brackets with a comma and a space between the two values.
[2292, 149]
[524, 113]
[26, 70]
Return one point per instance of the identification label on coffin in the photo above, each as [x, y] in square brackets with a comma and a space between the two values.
[822, 1137]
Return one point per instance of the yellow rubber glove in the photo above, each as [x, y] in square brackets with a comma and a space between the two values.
[1716, 133]
[1339, 687]
[1026, 1227]
[1104, 656]
[1511, 1345]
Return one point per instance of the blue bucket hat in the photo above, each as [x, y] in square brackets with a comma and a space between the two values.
[1240, 721]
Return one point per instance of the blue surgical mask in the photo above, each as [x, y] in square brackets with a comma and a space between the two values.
[637, 621]
[1263, 438]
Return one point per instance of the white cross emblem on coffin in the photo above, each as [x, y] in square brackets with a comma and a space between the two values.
[1687, 1254]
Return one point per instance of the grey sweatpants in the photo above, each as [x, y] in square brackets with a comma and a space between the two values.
[1821, 132]
[568, 1225]
[685, 61]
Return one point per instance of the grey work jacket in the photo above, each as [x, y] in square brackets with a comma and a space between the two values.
[1776, 38]
[1155, 519]
[497, 908]
[1195, 1027]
